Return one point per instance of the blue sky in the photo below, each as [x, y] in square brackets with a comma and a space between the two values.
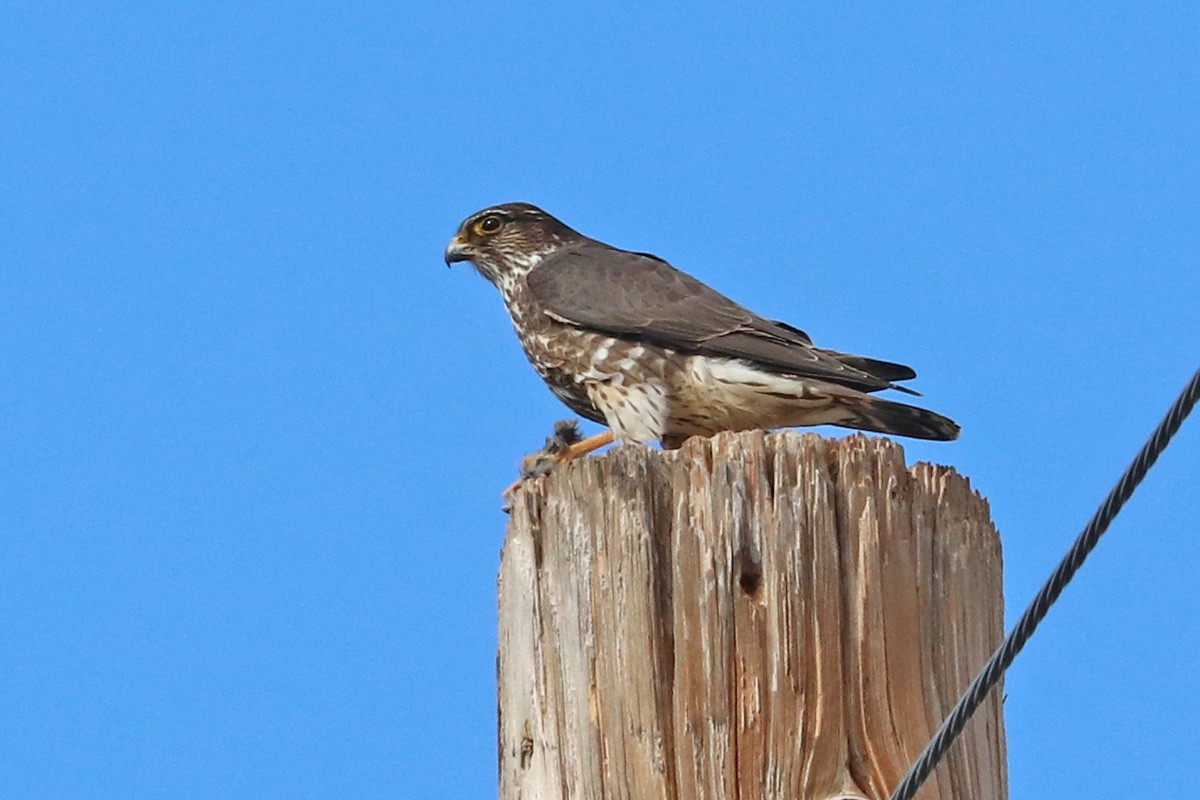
[253, 431]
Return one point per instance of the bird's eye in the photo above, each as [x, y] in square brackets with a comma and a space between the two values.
[489, 224]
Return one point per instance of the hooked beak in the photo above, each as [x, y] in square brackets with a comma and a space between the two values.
[457, 250]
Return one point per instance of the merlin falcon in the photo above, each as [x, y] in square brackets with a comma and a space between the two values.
[629, 341]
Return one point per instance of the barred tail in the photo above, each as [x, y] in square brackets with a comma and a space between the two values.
[884, 416]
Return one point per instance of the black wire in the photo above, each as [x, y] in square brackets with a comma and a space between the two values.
[1007, 651]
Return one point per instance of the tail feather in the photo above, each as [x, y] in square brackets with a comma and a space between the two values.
[884, 416]
[883, 370]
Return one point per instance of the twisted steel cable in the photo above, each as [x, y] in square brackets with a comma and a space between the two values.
[1003, 657]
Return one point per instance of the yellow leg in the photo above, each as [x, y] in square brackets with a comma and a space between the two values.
[543, 462]
[588, 445]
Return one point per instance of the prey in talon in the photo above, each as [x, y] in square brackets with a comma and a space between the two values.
[565, 444]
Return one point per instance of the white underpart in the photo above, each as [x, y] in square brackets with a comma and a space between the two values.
[734, 378]
[728, 394]
[635, 413]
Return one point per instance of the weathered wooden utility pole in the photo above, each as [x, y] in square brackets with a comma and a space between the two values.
[751, 616]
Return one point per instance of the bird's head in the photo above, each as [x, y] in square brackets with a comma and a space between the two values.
[504, 242]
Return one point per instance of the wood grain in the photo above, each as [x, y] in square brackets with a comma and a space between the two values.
[751, 616]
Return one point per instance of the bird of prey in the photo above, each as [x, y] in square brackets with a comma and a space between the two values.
[629, 341]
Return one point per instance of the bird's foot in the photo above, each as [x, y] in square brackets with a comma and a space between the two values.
[565, 444]
[566, 435]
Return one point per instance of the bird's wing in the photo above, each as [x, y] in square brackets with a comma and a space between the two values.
[642, 297]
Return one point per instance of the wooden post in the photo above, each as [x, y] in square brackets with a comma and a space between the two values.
[751, 616]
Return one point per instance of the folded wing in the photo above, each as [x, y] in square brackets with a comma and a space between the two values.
[641, 297]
